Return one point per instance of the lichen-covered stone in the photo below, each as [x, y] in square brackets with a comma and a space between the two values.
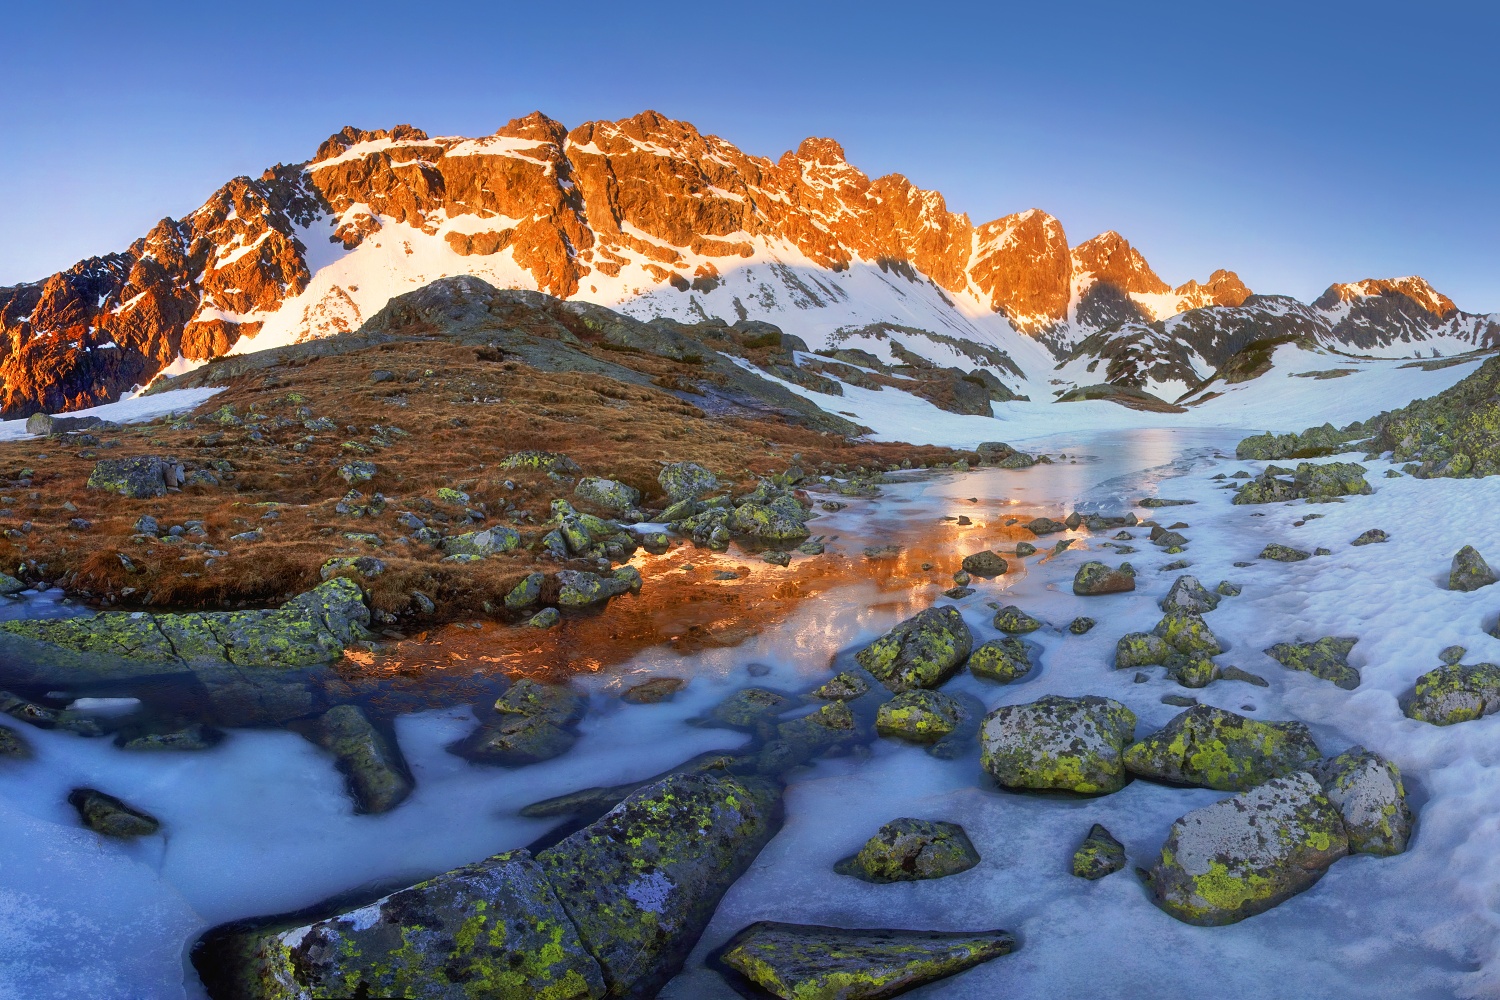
[140, 477]
[1368, 792]
[1469, 571]
[909, 850]
[545, 618]
[1141, 649]
[362, 566]
[1310, 481]
[642, 882]
[526, 592]
[580, 589]
[1014, 621]
[1193, 670]
[541, 461]
[1455, 433]
[746, 707]
[106, 814]
[357, 472]
[780, 520]
[1094, 579]
[921, 652]
[557, 703]
[515, 741]
[808, 962]
[1212, 748]
[1371, 537]
[1245, 854]
[10, 586]
[919, 716]
[13, 745]
[1070, 744]
[1099, 855]
[845, 686]
[1187, 594]
[1311, 443]
[488, 542]
[494, 929]
[1188, 633]
[1081, 625]
[1455, 693]
[657, 689]
[377, 775]
[1002, 660]
[985, 564]
[686, 481]
[1327, 658]
[607, 493]
[1283, 553]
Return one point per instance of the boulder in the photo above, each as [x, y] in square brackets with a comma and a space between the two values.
[808, 962]
[986, 564]
[13, 745]
[541, 461]
[580, 589]
[1014, 621]
[1099, 855]
[488, 542]
[1327, 658]
[1245, 854]
[1188, 634]
[642, 882]
[919, 716]
[686, 481]
[1212, 748]
[556, 703]
[1371, 537]
[1283, 553]
[1469, 571]
[1044, 526]
[1310, 481]
[746, 707]
[1188, 595]
[10, 586]
[1081, 625]
[1070, 744]
[921, 652]
[607, 493]
[526, 593]
[1455, 693]
[1368, 792]
[1094, 578]
[657, 689]
[515, 741]
[1002, 660]
[781, 520]
[106, 814]
[909, 850]
[139, 478]
[1141, 649]
[845, 686]
[496, 927]
[377, 775]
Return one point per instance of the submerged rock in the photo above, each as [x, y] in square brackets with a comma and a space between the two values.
[1368, 792]
[1099, 855]
[655, 690]
[1243, 855]
[921, 652]
[909, 850]
[106, 814]
[1455, 693]
[843, 687]
[377, 775]
[1212, 748]
[746, 707]
[1327, 658]
[13, 745]
[920, 716]
[808, 962]
[1094, 579]
[1002, 660]
[1469, 571]
[1070, 744]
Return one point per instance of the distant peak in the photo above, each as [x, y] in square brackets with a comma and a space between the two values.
[1110, 258]
[821, 150]
[1412, 287]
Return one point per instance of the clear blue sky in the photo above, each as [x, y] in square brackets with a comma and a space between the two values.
[1298, 144]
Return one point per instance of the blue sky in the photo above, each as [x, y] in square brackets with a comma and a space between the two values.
[1298, 144]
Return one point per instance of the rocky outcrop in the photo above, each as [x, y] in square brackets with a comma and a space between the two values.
[1454, 434]
[1310, 481]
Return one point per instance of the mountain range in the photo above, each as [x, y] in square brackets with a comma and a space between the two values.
[652, 218]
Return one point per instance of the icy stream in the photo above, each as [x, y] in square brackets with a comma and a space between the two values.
[261, 823]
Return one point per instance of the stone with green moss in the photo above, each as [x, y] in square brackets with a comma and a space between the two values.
[1455, 693]
[1056, 743]
[526, 593]
[845, 686]
[1313, 482]
[921, 652]
[807, 736]
[1368, 792]
[515, 741]
[140, 477]
[1099, 855]
[1453, 434]
[357, 472]
[579, 589]
[1095, 578]
[686, 481]
[910, 850]
[780, 520]
[919, 716]
[1372, 537]
[1141, 649]
[541, 461]
[1187, 594]
[1013, 620]
[1081, 625]
[103, 813]
[1211, 748]
[1327, 658]
[1283, 553]
[557, 703]
[1311, 443]
[13, 745]
[372, 765]
[607, 493]
[1469, 571]
[490, 541]
[1188, 634]
[748, 706]
[1002, 660]
[494, 929]
[642, 882]
[1243, 855]
[1192, 671]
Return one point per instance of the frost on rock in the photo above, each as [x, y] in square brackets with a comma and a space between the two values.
[1243, 855]
[1212, 748]
[921, 652]
[1455, 693]
[1069, 744]
[1368, 792]
[1327, 658]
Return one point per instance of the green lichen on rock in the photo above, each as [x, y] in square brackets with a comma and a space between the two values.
[372, 765]
[1368, 792]
[1002, 660]
[103, 813]
[1187, 594]
[13, 745]
[921, 652]
[845, 686]
[1212, 748]
[919, 716]
[779, 520]
[541, 461]
[1469, 571]
[1245, 854]
[809, 962]
[494, 929]
[140, 477]
[607, 493]
[1188, 634]
[1311, 443]
[1068, 744]
[1094, 578]
[1099, 855]
[526, 592]
[531, 723]
[686, 481]
[557, 703]
[1081, 625]
[748, 706]
[1327, 658]
[1455, 693]
[1283, 553]
[1141, 649]
[579, 589]
[1371, 537]
[1310, 481]
[909, 850]
[490, 541]
[357, 472]
[1455, 434]
[1014, 621]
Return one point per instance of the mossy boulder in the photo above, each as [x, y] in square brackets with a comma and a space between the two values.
[985, 564]
[557, 703]
[921, 652]
[1212, 748]
[490, 541]
[1314, 482]
[1002, 660]
[515, 741]
[1099, 855]
[541, 461]
[526, 593]
[103, 813]
[1094, 579]
[1372, 537]
[1056, 743]
[919, 716]
[1283, 553]
[139, 478]
[358, 472]
[1243, 855]
[1469, 571]
[642, 882]
[1188, 634]
[1141, 649]
[686, 481]
[1327, 658]
[1311, 443]
[1012, 620]
[748, 706]
[10, 586]
[579, 589]
[1081, 625]
[607, 493]
[1368, 792]
[492, 929]
[372, 765]
[1455, 693]
[1454, 434]
[845, 686]
[799, 740]
[780, 520]
[13, 745]
[1187, 594]
[909, 850]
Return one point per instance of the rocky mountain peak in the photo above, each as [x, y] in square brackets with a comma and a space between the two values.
[1412, 288]
[1111, 259]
